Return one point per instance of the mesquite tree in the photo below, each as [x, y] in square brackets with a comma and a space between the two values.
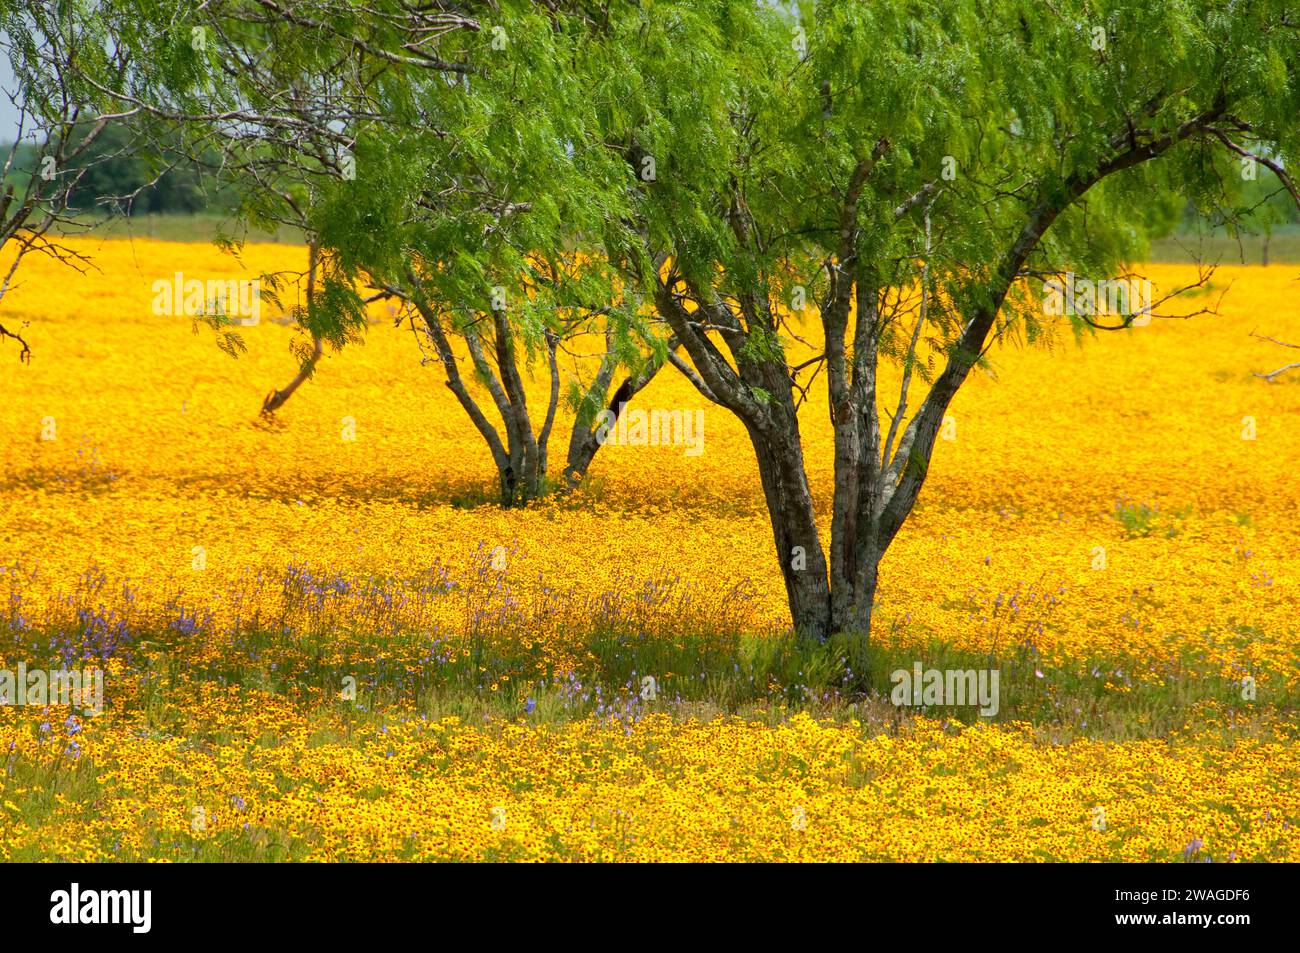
[424, 151]
[471, 205]
[919, 170]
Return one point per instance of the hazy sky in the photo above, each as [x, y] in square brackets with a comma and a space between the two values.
[8, 115]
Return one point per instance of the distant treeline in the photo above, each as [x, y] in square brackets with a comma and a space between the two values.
[122, 179]
[119, 178]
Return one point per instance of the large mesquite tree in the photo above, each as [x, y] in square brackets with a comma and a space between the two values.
[919, 168]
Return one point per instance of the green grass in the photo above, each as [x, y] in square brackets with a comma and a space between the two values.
[763, 678]
[1141, 520]
[1212, 245]
[201, 227]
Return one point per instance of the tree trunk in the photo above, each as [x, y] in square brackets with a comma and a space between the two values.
[582, 441]
[794, 528]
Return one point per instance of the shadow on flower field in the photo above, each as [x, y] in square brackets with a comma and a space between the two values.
[317, 647]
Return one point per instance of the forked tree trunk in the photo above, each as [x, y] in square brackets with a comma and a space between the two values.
[521, 459]
[876, 481]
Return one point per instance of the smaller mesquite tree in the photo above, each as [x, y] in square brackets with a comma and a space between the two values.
[423, 150]
[471, 207]
[918, 170]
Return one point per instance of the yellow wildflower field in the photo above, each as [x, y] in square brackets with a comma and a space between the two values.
[1121, 510]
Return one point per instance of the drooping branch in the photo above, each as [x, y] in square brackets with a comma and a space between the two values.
[1271, 376]
[277, 398]
[60, 132]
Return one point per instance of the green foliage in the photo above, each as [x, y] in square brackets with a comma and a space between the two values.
[753, 115]
[1140, 520]
[721, 134]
